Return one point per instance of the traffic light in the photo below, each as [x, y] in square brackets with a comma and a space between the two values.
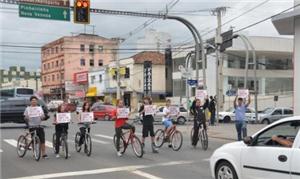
[82, 11]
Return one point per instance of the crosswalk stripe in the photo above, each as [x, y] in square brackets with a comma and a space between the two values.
[12, 142]
[104, 136]
[145, 175]
[100, 141]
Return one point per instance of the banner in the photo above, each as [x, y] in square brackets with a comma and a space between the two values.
[87, 117]
[201, 94]
[243, 93]
[122, 112]
[34, 112]
[173, 110]
[149, 110]
[63, 117]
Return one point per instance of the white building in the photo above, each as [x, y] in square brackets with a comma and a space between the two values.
[154, 40]
[274, 70]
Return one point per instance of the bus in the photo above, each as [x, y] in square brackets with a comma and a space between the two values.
[16, 92]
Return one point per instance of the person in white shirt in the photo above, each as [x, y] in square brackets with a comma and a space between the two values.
[167, 120]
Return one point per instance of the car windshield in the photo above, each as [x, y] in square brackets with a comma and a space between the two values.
[267, 110]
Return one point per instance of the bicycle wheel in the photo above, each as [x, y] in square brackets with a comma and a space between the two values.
[88, 145]
[159, 137]
[64, 146]
[77, 139]
[22, 146]
[122, 144]
[192, 134]
[204, 139]
[54, 142]
[137, 146]
[176, 140]
[36, 148]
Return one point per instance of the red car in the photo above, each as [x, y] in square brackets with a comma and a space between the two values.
[105, 112]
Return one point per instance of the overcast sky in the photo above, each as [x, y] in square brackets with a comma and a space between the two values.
[26, 31]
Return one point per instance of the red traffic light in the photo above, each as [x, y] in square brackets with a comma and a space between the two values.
[79, 4]
[85, 4]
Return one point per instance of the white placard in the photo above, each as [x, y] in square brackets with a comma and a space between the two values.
[173, 110]
[201, 94]
[122, 112]
[34, 112]
[63, 117]
[149, 110]
[87, 117]
[243, 93]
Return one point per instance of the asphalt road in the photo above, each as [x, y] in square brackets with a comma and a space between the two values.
[104, 163]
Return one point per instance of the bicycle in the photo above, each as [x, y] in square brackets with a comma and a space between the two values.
[175, 137]
[128, 138]
[87, 142]
[63, 142]
[23, 144]
[202, 135]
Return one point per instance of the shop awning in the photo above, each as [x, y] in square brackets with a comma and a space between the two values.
[92, 91]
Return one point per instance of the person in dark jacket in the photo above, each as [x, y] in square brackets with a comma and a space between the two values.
[148, 126]
[199, 118]
[212, 110]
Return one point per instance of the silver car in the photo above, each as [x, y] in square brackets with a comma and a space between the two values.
[270, 115]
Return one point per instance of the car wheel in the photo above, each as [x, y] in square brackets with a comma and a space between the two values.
[227, 119]
[181, 120]
[106, 117]
[265, 121]
[225, 170]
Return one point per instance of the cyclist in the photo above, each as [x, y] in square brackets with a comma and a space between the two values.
[82, 127]
[199, 117]
[59, 128]
[167, 120]
[34, 115]
[147, 124]
[120, 123]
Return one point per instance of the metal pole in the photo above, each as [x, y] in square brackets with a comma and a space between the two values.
[244, 39]
[187, 92]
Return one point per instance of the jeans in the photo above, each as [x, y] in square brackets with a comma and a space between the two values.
[82, 134]
[196, 131]
[241, 127]
[212, 118]
[119, 133]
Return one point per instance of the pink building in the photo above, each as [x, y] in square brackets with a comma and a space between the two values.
[64, 57]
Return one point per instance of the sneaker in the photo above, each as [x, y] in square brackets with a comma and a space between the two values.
[57, 156]
[119, 154]
[69, 155]
[170, 145]
[45, 156]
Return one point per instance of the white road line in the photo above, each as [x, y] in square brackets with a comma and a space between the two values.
[100, 141]
[104, 170]
[12, 142]
[104, 136]
[206, 160]
[1, 150]
[48, 144]
[145, 175]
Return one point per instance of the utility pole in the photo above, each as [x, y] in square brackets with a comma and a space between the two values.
[219, 61]
[119, 40]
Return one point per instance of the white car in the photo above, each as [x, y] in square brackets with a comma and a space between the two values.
[258, 156]
[229, 115]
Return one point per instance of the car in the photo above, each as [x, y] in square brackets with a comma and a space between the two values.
[105, 112]
[53, 105]
[12, 109]
[270, 115]
[258, 156]
[229, 115]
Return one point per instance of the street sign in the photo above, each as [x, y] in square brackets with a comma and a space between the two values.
[60, 3]
[192, 82]
[147, 78]
[41, 11]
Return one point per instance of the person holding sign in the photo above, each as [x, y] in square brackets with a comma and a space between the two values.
[167, 120]
[147, 111]
[34, 115]
[86, 108]
[120, 123]
[61, 122]
[199, 119]
[240, 116]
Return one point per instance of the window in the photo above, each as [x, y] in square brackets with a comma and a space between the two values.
[100, 78]
[127, 73]
[100, 63]
[93, 79]
[53, 77]
[61, 48]
[288, 111]
[48, 66]
[91, 49]
[82, 62]
[91, 62]
[82, 47]
[62, 76]
[57, 77]
[45, 79]
[48, 78]
[56, 64]
[45, 66]
[62, 62]
[52, 64]
[100, 48]
[287, 130]
[277, 112]
[56, 49]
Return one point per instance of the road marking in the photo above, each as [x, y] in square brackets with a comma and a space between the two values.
[1, 150]
[145, 175]
[12, 142]
[104, 170]
[104, 136]
[206, 160]
[48, 144]
[100, 141]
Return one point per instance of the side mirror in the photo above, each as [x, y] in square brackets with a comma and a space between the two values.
[248, 140]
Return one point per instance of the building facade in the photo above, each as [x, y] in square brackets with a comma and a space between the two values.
[63, 58]
[18, 76]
